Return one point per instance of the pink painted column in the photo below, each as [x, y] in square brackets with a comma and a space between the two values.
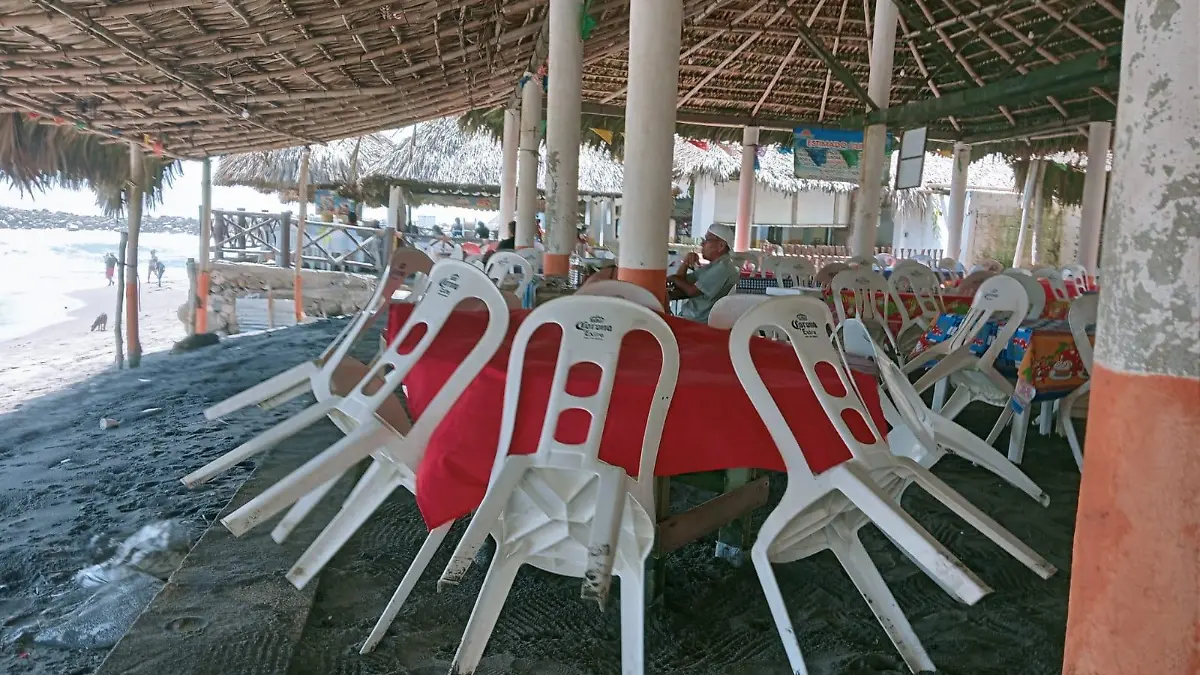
[746, 185]
[1135, 577]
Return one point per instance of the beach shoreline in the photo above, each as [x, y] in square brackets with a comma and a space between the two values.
[55, 356]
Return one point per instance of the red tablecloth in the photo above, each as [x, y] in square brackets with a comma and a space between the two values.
[711, 424]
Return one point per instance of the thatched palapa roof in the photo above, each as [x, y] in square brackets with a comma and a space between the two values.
[206, 79]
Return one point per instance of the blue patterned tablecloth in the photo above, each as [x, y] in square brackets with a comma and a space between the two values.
[1013, 354]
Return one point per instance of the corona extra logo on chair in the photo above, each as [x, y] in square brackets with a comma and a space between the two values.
[806, 326]
[594, 328]
[448, 285]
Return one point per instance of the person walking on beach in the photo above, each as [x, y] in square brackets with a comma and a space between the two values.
[158, 271]
[110, 266]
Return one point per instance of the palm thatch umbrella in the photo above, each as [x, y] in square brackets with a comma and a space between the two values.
[35, 156]
[339, 165]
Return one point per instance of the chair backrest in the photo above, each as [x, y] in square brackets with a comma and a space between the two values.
[1033, 290]
[994, 266]
[949, 264]
[450, 283]
[808, 325]
[726, 312]
[794, 270]
[858, 341]
[501, 266]
[999, 293]
[864, 261]
[826, 274]
[972, 281]
[745, 260]
[613, 288]
[1081, 315]
[534, 257]
[884, 260]
[592, 330]
[1054, 278]
[870, 291]
[405, 262]
[923, 283]
[1075, 278]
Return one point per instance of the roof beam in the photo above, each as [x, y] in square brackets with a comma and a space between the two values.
[815, 44]
[778, 72]
[1099, 69]
[837, 42]
[101, 33]
[737, 52]
[129, 9]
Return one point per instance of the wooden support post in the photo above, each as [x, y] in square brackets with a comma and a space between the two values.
[120, 299]
[285, 238]
[301, 223]
[193, 301]
[203, 277]
[133, 203]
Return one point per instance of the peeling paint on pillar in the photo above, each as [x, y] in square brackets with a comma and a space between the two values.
[1151, 251]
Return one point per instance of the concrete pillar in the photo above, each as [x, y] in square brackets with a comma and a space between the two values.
[137, 182]
[204, 271]
[608, 231]
[1093, 195]
[563, 108]
[301, 228]
[654, 36]
[1135, 570]
[704, 205]
[1036, 240]
[508, 169]
[958, 200]
[874, 157]
[746, 184]
[527, 194]
[1027, 200]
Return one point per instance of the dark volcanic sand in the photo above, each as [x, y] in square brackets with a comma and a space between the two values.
[714, 621]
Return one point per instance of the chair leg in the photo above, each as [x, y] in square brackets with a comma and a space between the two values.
[779, 611]
[858, 564]
[980, 520]
[602, 544]
[633, 621]
[939, 393]
[411, 576]
[1046, 418]
[378, 485]
[496, 586]
[1068, 427]
[1016, 438]
[329, 464]
[296, 377]
[300, 511]
[1006, 416]
[958, 401]
[264, 441]
[481, 523]
[971, 448]
[935, 560]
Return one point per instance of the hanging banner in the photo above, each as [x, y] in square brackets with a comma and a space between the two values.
[832, 154]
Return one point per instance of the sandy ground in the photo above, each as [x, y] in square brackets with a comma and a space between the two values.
[67, 352]
[714, 620]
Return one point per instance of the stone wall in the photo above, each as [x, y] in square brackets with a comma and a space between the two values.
[325, 293]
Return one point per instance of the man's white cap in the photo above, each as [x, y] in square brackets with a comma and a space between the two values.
[723, 232]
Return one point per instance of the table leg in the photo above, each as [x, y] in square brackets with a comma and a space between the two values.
[939, 393]
[735, 538]
[1016, 435]
[656, 569]
[1046, 418]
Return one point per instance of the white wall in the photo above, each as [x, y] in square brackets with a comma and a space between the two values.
[915, 231]
[774, 208]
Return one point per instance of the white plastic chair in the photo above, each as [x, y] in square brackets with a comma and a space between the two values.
[923, 283]
[866, 261]
[451, 282]
[827, 510]
[922, 434]
[884, 260]
[978, 379]
[562, 509]
[745, 261]
[1081, 315]
[726, 311]
[318, 375]
[534, 256]
[1056, 282]
[871, 295]
[612, 288]
[1033, 290]
[826, 274]
[501, 266]
[949, 264]
[1075, 276]
[973, 281]
[794, 270]
[993, 266]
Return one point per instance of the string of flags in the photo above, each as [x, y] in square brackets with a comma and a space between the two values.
[155, 145]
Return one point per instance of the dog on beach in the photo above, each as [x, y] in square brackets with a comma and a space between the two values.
[101, 322]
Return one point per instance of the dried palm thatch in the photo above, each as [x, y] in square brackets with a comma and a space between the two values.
[219, 77]
[339, 165]
[34, 157]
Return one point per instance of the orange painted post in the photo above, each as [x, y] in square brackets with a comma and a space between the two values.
[133, 202]
[1135, 578]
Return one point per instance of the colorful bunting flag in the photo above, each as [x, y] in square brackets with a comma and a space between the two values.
[703, 145]
[587, 23]
[850, 157]
[604, 134]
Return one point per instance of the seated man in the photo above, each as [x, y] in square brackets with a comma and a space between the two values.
[700, 287]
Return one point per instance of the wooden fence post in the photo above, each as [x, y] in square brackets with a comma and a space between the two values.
[285, 239]
[193, 301]
[120, 299]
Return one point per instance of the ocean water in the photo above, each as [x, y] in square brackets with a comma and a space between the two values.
[40, 269]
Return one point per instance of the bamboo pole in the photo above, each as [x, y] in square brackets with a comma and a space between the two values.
[134, 204]
[35, 19]
[192, 303]
[301, 222]
[120, 298]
